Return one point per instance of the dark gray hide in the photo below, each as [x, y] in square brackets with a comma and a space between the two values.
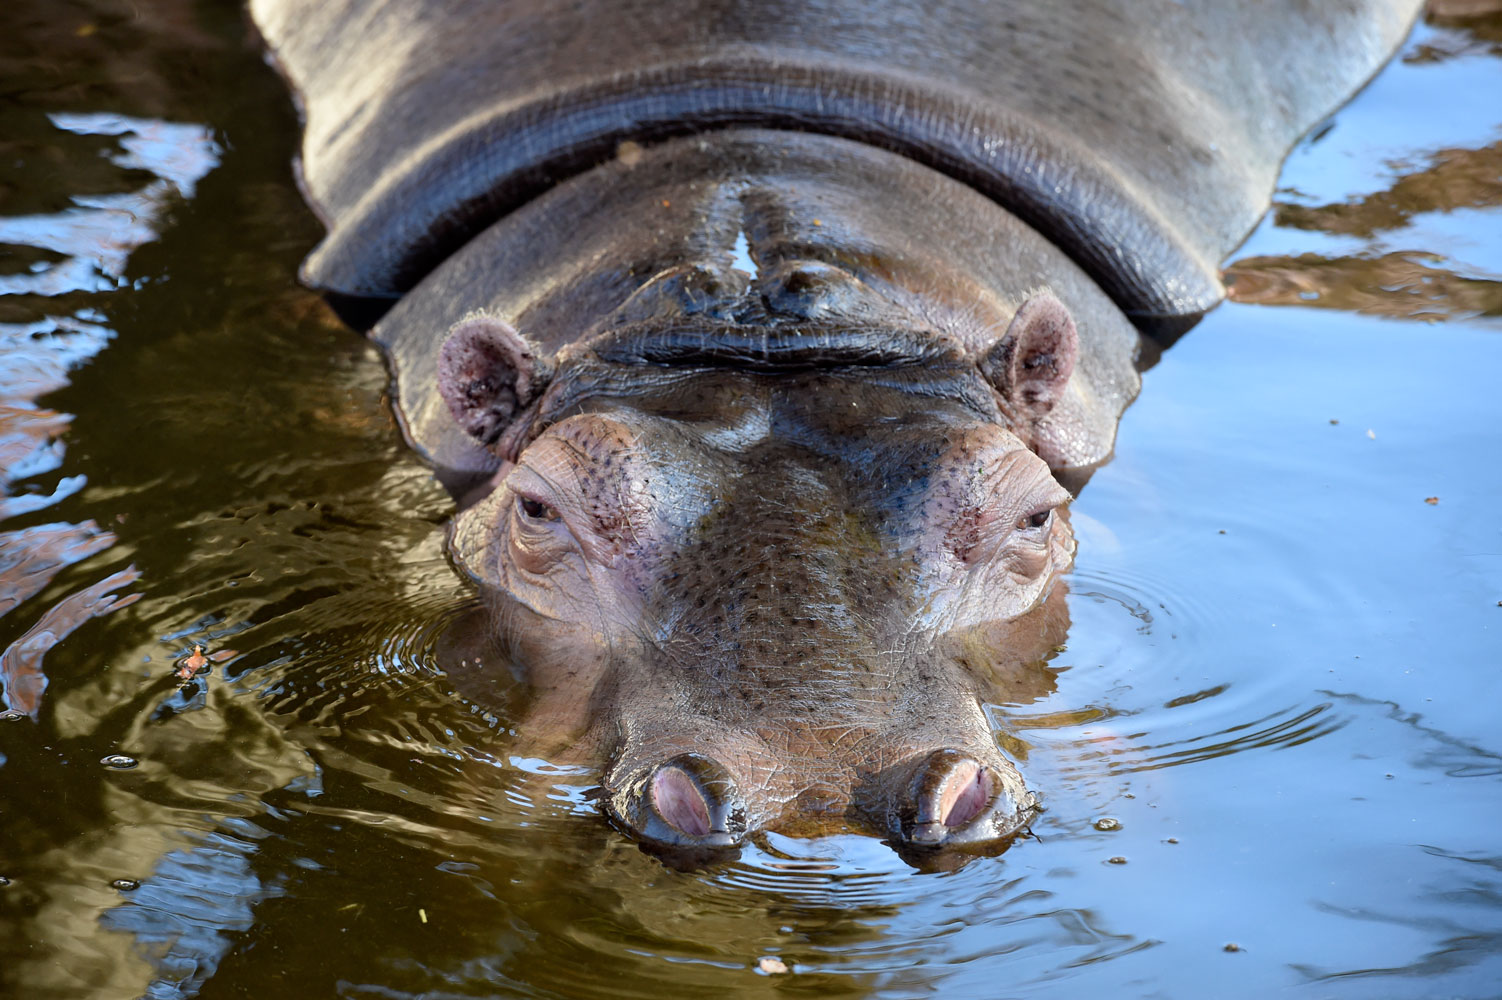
[1141, 137]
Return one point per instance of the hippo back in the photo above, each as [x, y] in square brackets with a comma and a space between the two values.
[1143, 137]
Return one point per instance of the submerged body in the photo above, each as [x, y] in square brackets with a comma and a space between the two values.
[765, 347]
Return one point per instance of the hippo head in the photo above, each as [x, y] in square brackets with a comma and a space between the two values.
[770, 558]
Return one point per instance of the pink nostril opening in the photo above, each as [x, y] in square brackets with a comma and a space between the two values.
[966, 792]
[678, 800]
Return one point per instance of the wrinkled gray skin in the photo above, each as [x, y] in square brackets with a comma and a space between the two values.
[764, 344]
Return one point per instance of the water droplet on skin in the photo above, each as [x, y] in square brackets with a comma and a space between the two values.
[119, 761]
[1106, 824]
[125, 884]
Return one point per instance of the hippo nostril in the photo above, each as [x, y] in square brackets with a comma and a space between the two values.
[679, 801]
[949, 790]
[966, 792]
[687, 802]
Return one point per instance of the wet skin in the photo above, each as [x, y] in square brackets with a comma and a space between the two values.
[764, 348]
[822, 671]
[766, 511]
[766, 543]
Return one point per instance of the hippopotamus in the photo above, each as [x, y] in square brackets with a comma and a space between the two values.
[765, 344]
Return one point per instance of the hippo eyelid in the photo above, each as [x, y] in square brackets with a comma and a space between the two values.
[536, 510]
[1037, 519]
[529, 486]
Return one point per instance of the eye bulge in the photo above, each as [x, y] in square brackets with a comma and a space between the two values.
[586, 485]
[1017, 489]
[537, 499]
[553, 479]
[992, 497]
[538, 536]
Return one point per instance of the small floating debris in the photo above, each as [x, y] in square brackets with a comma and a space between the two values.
[1106, 824]
[1333, 422]
[1432, 501]
[193, 663]
[772, 965]
[1371, 434]
[4, 881]
[1233, 946]
[1118, 860]
[196, 662]
[125, 884]
[422, 914]
[119, 761]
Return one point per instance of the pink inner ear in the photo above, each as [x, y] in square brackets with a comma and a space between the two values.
[1047, 348]
[487, 373]
[679, 801]
[966, 792]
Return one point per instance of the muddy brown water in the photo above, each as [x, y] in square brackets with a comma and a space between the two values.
[1270, 757]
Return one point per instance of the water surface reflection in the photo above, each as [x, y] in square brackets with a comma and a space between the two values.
[1271, 724]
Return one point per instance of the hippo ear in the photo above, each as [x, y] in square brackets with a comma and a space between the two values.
[488, 373]
[1031, 364]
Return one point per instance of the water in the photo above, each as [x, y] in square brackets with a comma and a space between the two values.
[1272, 728]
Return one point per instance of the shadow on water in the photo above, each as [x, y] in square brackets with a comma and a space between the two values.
[233, 765]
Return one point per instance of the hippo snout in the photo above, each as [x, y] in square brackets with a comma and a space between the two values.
[690, 806]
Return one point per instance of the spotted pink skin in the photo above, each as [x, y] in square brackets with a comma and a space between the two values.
[795, 578]
[808, 657]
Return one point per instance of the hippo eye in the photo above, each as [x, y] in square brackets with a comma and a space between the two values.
[535, 510]
[1035, 520]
